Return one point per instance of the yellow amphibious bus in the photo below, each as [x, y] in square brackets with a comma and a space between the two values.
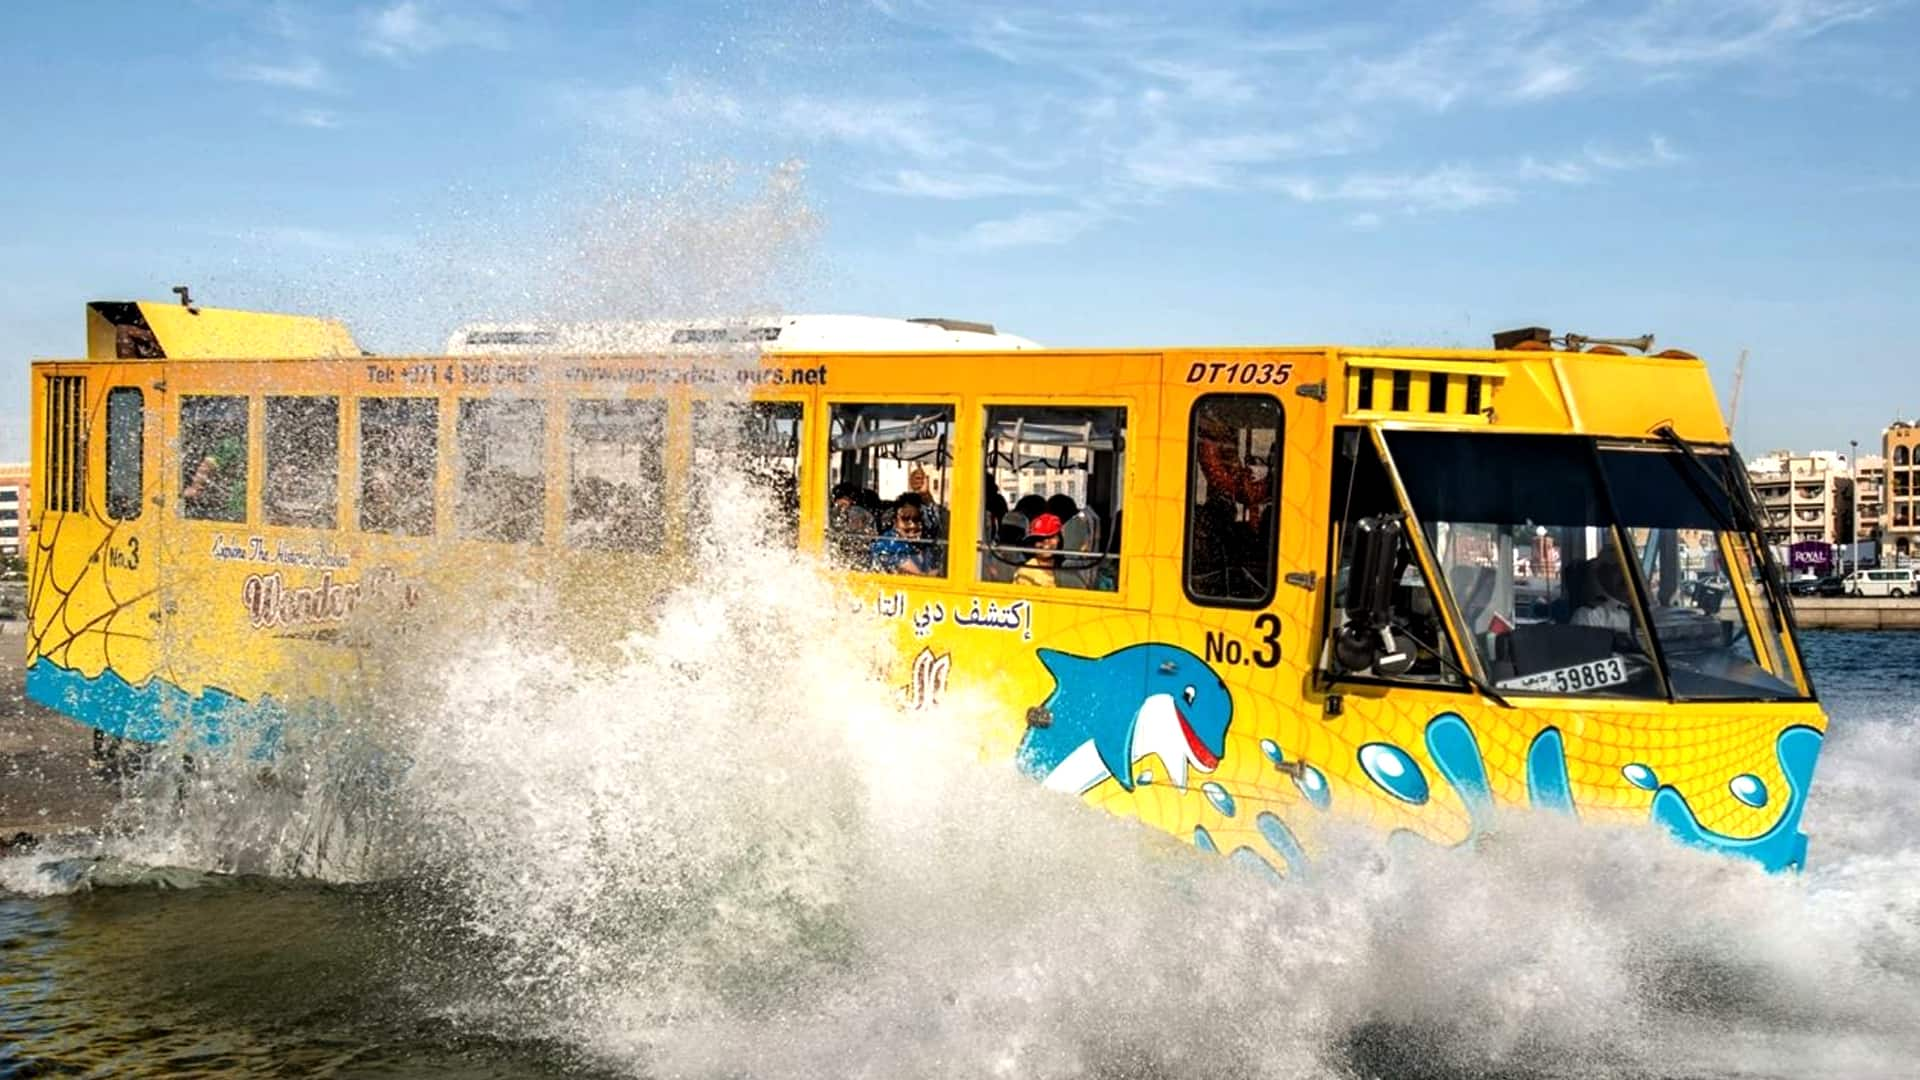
[1233, 592]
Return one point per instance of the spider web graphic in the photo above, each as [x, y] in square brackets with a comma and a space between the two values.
[52, 634]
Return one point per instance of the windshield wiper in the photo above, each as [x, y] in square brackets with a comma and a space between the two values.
[1719, 512]
[1736, 496]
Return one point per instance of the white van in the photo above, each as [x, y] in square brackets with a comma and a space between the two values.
[1882, 583]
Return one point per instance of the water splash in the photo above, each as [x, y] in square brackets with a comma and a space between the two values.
[1249, 859]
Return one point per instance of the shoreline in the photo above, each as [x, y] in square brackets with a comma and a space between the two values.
[1856, 613]
[47, 785]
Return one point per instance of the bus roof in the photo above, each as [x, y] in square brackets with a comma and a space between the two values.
[137, 330]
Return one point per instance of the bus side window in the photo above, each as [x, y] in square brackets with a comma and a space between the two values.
[613, 450]
[758, 442]
[887, 474]
[502, 469]
[126, 438]
[213, 458]
[399, 456]
[302, 486]
[1053, 496]
[1233, 495]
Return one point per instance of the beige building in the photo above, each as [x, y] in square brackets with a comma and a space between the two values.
[1803, 497]
[15, 502]
[1900, 445]
[1870, 481]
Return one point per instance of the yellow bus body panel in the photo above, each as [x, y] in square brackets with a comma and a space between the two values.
[177, 616]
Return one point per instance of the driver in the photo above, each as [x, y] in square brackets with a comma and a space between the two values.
[1608, 605]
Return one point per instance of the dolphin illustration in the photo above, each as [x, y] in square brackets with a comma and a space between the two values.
[1106, 714]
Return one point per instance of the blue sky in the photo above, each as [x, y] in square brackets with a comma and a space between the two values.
[1727, 173]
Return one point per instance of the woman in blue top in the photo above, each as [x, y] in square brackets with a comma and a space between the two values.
[905, 548]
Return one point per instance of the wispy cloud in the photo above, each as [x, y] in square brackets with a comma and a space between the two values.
[954, 186]
[1448, 187]
[318, 119]
[1595, 159]
[1035, 227]
[305, 73]
[413, 28]
[907, 126]
[1517, 52]
[1172, 158]
[1087, 115]
[903, 126]
[650, 110]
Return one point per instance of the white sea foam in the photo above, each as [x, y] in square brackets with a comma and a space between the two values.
[733, 853]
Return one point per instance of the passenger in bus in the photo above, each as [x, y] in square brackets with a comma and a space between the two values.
[905, 548]
[850, 526]
[1030, 506]
[1043, 535]
[217, 490]
[996, 511]
[1606, 604]
[931, 514]
[1220, 462]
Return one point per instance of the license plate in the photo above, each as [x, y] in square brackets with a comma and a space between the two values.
[1577, 679]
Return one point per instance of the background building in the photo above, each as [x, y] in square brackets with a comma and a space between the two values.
[14, 505]
[1870, 473]
[1803, 497]
[1900, 445]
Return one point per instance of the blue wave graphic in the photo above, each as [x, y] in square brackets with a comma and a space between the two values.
[153, 711]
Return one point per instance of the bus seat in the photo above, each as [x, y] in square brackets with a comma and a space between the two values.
[1081, 534]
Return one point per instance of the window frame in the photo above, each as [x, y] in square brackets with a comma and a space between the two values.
[1764, 576]
[700, 412]
[1190, 462]
[652, 539]
[1325, 675]
[139, 459]
[247, 434]
[1130, 410]
[267, 502]
[544, 409]
[360, 500]
[957, 428]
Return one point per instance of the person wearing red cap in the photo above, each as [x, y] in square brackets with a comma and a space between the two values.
[1043, 535]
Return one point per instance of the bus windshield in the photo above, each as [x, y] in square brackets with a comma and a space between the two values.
[1581, 566]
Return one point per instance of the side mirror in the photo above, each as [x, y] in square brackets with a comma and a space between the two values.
[1368, 641]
